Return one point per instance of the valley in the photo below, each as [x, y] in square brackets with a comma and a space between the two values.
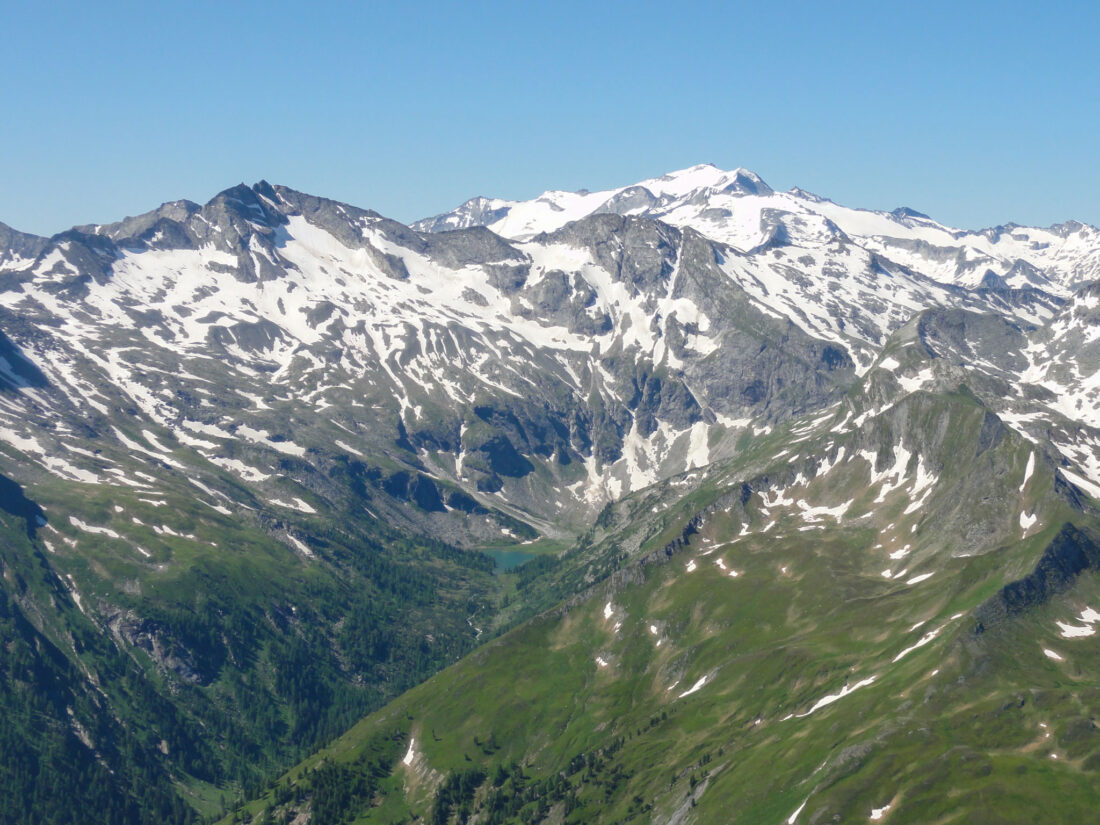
[690, 501]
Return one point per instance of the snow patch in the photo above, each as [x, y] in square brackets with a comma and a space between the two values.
[1070, 631]
[1028, 470]
[833, 697]
[349, 449]
[263, 437]
[239, 468]
[902, 553]
[1089, 487]
[925, 639]
[910, 384]
[698, 450]
[87, 528]
[297, 504]
[793, 817]
[702, 681]
[815, 514]
[301, 546]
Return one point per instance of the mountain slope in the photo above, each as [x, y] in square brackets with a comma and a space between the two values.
[252, 451]
[421, 346]
[186, 652]
[751, 654]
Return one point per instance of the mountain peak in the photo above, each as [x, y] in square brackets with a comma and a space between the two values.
[908, 212]
[698, 168]
[241, 192]
[707, 176]
[14, 243]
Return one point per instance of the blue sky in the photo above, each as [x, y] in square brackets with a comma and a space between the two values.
[978, 115]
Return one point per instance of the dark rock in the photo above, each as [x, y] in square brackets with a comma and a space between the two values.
[1069, 554]
[15, 502]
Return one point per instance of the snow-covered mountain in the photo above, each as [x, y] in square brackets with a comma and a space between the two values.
[853, 277]
[740, 209]
[569, 350]
[274, 416]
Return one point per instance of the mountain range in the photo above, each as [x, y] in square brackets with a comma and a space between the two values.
[269, 463]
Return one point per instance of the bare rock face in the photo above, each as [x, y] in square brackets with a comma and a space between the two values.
[1069, 554]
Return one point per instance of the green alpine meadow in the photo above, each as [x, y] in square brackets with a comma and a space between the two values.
[750, 651]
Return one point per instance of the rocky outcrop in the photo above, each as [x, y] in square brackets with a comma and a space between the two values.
[1070, 553]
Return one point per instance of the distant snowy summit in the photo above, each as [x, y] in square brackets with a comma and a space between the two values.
[553, 209]
[738, 208]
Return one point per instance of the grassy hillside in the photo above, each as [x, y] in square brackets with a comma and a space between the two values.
[790, 640]
[175, 657]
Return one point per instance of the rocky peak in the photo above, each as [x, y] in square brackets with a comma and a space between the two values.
[18, 247]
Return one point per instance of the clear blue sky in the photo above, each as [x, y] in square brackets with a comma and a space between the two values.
[978, 115]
